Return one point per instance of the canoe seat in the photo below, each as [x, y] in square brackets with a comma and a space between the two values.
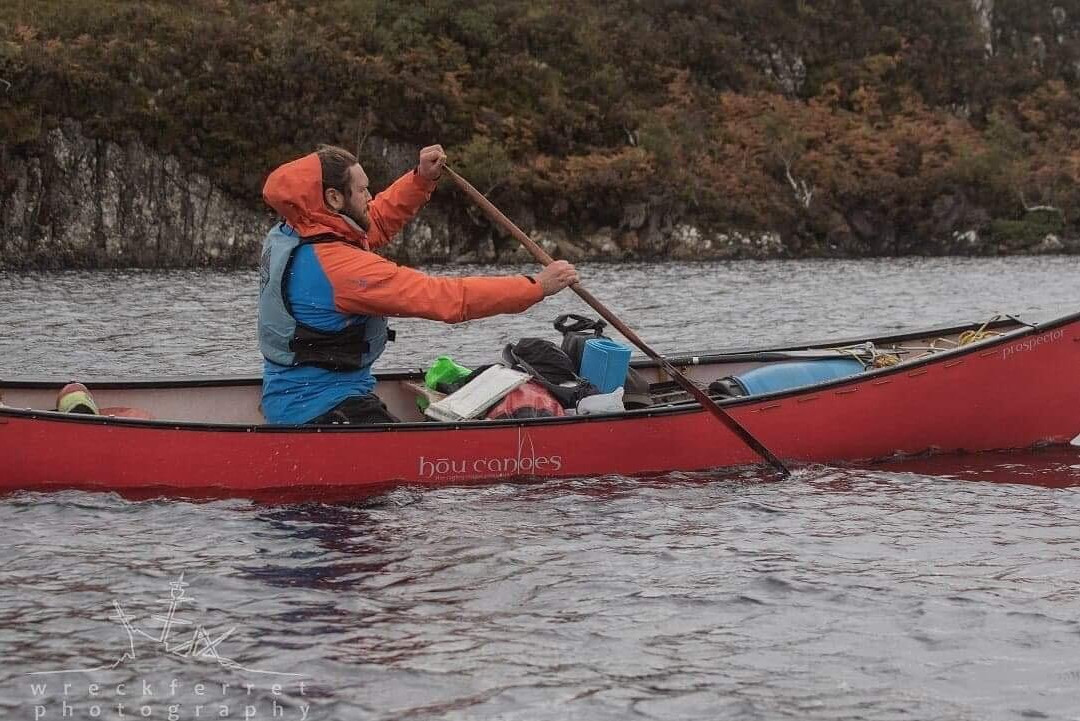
[422, 391]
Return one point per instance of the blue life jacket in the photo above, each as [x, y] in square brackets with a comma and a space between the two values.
[288, 342]
[322, 357]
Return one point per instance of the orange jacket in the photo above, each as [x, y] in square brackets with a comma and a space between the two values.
[365, 283]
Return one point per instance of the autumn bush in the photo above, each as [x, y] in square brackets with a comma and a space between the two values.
[851, 126]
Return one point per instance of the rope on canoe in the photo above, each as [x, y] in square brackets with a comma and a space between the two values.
[973, 336]
[870, 356]
[880, 359]
[884, 360]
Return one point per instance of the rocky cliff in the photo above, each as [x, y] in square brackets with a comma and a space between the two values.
[85, 202]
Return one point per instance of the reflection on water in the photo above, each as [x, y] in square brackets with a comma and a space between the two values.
[688, 596]
[1047, 467]
[908, 589]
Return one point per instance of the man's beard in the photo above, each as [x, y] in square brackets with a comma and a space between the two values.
[360, 218]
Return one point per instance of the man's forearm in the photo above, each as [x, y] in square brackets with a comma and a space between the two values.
[391, 209]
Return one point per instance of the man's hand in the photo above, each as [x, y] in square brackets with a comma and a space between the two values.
[432, 160]
[556, 276]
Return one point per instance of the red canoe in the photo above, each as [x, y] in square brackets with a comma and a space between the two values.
[1012, 387]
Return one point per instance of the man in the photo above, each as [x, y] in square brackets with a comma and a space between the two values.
[325, 296]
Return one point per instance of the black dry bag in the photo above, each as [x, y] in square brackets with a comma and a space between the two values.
[576, 329]
[551, 368]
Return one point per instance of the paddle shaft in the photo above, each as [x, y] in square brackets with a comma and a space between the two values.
[685, 383]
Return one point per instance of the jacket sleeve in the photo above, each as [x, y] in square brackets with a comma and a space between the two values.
[367, 284]
[391, 209]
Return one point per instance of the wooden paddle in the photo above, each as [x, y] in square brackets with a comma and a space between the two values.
[544, 259]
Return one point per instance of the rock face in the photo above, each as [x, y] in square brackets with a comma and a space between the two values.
[86, 202]
[82, 202]
[984, 17]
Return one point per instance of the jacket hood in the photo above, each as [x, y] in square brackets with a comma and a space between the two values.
[294, 190]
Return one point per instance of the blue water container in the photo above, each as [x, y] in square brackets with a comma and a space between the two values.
[781, 376]
[604, 363]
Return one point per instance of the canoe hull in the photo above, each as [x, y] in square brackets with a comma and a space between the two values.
[1015, 392]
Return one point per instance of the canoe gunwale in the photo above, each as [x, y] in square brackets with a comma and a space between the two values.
[731, 354]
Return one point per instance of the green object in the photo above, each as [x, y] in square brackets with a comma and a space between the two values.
[443, 370]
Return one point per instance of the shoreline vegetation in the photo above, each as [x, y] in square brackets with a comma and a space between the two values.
[140, 133]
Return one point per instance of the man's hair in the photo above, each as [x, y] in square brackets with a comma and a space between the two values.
[335, 167]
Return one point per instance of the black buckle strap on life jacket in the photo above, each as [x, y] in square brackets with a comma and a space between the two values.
[338, 351]
[391, 335]
[574, 323]
[322, 238]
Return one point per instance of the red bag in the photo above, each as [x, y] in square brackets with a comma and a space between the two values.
[531, 400]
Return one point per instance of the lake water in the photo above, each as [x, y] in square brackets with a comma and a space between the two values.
[940, 588]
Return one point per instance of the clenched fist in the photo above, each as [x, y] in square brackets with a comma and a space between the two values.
[556, 276]
[432, 160]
